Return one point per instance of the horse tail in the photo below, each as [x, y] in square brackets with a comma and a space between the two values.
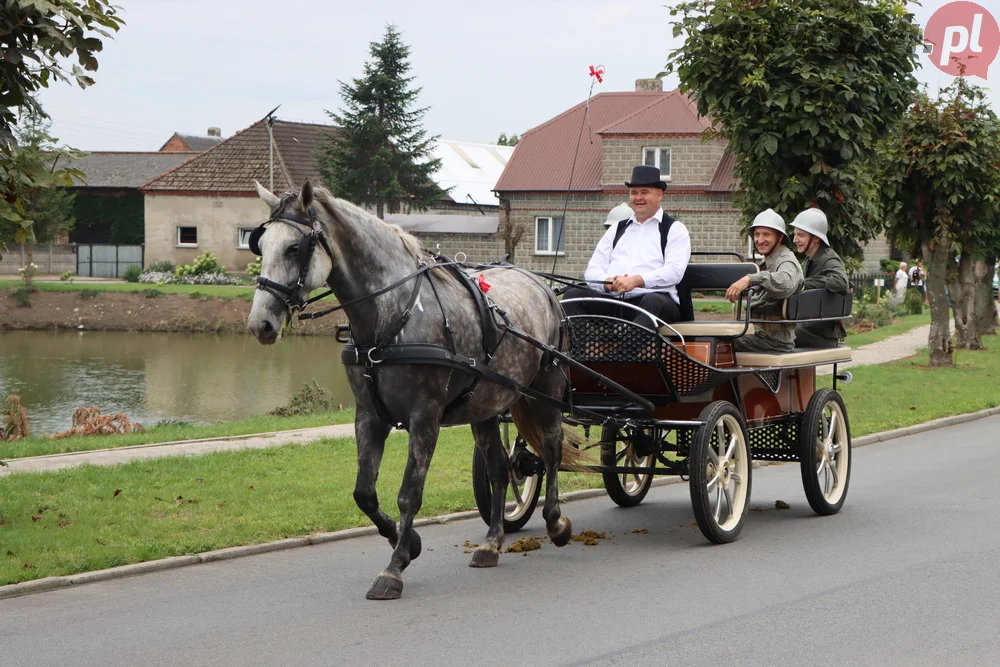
[574, 457]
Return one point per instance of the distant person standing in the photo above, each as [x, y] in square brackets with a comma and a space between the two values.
[902, 281]
[916, 275]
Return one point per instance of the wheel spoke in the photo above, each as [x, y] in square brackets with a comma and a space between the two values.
[713, 457]
[735, 476]
[712, 482]
[732, 447]
[718, 503]
[729, 501]
[517, 493]
[835, 449]
[720, 436]
[833, 425]
[835, 478]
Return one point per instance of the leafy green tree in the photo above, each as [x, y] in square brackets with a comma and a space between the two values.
[940, 185]
[802, 91]
[49, 208]
[380, 155]
[36, 38]
[504, 140]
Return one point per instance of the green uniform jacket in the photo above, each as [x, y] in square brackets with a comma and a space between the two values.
[826, 270]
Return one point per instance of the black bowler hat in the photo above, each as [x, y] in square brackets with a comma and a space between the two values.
[644, 175]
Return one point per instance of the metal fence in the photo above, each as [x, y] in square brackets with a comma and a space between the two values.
[107, 261]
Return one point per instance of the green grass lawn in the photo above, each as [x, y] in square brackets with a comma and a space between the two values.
[908, 392]
[899, 326]
[171, 433]
[89, 518]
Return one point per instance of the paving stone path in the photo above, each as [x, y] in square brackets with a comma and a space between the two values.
[890, 349]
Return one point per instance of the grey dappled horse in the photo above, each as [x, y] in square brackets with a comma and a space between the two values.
[369, 255]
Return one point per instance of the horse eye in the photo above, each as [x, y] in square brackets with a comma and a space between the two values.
[292, 249]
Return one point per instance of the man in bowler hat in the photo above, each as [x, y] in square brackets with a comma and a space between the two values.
[639, 260]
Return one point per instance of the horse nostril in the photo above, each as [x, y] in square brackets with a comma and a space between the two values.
[267, 328]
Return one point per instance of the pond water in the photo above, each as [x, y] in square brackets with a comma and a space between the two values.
[199, 378]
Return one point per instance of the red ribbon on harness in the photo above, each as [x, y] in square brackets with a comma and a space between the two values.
[597, 73]
[483, 285]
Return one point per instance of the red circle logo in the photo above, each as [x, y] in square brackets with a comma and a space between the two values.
[963, 35]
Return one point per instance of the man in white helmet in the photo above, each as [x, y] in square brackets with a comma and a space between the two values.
[780, 278]
[823, 269]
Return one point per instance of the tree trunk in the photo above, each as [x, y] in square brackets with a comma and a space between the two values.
[985, 308]
[963, 299]
[937, 260]
[380, 210]
[29, 253]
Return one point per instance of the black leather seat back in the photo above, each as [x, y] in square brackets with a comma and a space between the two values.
[817, 304]
[715, 276]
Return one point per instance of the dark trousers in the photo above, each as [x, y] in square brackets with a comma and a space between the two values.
[659, 304]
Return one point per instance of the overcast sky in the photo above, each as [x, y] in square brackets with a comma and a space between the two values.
[485, 68]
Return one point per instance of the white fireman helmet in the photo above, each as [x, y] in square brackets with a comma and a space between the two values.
[813, 221]
[772, 220]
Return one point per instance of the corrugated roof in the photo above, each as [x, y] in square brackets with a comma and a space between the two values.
[234, 164]
[124, 169]
[543, 158]
[723, 180]
[460, 224]
[470, 170]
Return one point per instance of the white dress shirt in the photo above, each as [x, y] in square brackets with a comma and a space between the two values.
[638, 253]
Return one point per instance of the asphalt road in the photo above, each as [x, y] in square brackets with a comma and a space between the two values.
[906, 574]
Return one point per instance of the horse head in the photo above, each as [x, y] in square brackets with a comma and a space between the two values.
[293, 263]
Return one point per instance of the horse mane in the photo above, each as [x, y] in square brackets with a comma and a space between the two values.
[342, 208]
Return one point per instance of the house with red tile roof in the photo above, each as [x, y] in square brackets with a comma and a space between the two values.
[567, 174]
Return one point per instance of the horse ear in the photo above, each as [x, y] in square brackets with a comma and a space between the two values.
[266, 195]
[306, 195]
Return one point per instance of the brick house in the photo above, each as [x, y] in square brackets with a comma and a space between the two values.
[190, 143]
[542, 189]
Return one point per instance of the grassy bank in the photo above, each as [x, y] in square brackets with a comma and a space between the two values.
[221, 291]
[900, 325]
[170, 433]
[90, 518]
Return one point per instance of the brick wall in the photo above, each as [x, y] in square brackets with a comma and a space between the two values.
[712, 223]
[175, 145]
[692, 161]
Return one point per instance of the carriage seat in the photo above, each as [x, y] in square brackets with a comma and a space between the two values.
[715, 328]
[799, 357]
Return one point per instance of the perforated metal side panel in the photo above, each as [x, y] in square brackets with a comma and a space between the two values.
[777, 442]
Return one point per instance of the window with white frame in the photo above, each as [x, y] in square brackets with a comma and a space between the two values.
[243, 239]
[659, 158]
[548, 233]
[187, 237]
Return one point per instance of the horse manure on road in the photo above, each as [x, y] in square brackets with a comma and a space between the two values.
[782, 505]
[640, 531]
[523, 544]
[589, 537]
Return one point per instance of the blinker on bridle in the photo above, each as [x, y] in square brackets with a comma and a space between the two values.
[291, 295]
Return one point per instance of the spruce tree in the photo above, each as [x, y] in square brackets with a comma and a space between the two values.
[379, 155]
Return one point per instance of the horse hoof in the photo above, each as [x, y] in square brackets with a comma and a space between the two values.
[563, 531]
[386, 587]
[485, 557]
[415, 545]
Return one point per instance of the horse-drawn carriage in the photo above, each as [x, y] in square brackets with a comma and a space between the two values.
[427, 346]
[687, 405]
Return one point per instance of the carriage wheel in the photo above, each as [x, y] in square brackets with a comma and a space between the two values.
[720, 472]
[626, 489]
[522, 490]
[825, 451]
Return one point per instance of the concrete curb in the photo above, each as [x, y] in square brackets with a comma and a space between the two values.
[53, 583]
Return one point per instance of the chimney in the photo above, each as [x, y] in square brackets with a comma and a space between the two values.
[649, 85]
[217, 132]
